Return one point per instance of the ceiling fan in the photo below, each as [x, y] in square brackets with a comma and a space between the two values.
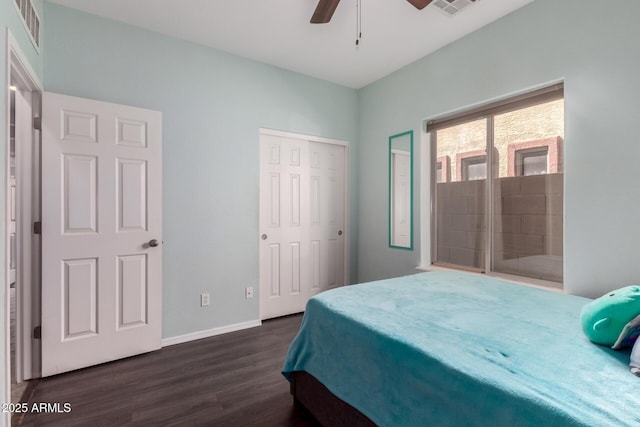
[324, 10]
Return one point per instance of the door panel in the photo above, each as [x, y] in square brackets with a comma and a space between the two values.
[132, 290]
[131, 195]
[79, 207]
[80, 300]
[101, 206]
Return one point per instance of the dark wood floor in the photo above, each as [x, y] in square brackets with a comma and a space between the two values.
[227, 380]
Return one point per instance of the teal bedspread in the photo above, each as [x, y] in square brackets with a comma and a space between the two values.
[458, 349]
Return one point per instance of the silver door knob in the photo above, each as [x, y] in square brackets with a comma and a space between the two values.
[263, 237]
[340, 233]
[153, 243]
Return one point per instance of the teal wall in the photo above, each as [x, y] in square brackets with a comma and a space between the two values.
[213, 105]
[10, 19]
[595, 50]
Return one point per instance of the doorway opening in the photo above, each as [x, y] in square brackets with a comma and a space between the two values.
[22, 247]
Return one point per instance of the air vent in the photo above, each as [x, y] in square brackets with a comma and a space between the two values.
[451, 7]
[30, 19]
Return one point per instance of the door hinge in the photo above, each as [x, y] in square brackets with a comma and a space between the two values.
[37, 123]
[37, 227]
[37, 332]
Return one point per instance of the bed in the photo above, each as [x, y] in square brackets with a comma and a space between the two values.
[453, 348]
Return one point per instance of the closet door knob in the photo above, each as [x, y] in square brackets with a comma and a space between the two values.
[153, 243]
[263, 237]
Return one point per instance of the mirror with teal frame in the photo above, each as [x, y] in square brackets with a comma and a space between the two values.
[401, 191]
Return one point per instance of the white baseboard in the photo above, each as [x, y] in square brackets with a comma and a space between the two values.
[166, 342]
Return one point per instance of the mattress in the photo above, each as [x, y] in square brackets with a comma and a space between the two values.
[453, 348]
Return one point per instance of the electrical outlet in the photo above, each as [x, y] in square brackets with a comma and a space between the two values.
[205, 300]
[248, 292]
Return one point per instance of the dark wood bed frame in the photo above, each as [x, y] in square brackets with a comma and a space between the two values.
[325, 407]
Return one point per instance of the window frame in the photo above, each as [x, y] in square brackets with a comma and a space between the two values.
[488, 112]
[464, 160]
[553, 146]
[522, 155]
[445, 169]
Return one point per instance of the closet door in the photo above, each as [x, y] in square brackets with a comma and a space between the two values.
[284, 225]
[327, 216]
[302, 221]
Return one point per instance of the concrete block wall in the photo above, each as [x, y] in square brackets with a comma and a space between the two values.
[528, 225]
[461, 223]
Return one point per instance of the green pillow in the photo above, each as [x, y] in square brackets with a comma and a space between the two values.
[604, 318]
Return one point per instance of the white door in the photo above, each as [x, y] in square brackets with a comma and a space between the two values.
[401, 197]
[101, 232]
[327, 219]
[302, 222]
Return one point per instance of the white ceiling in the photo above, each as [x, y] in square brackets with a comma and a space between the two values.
[278, 32]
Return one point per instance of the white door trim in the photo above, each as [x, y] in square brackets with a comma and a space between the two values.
[347, 180]
[26, 244]
[285, 134]
[23, 74]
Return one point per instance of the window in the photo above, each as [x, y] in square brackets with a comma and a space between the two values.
[443, 169]
[474, 168]
[534, 157]
[533, 162]
[512, 222]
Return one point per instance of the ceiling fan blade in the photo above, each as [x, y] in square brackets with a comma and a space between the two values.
[420, 4]
[324, 11]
